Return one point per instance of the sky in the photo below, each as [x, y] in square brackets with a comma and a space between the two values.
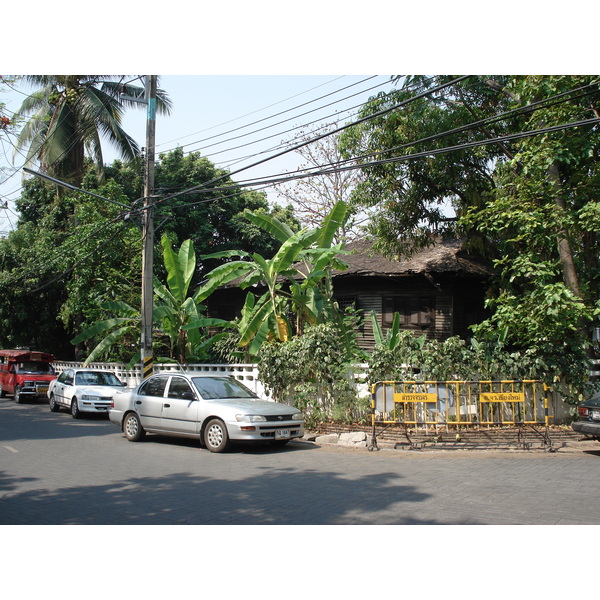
[234, 120]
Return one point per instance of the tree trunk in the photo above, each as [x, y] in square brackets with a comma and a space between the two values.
[564, 246]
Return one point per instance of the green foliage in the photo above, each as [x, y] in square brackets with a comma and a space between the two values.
[485, 358]
[312, 372]
[297, 279]
[213, 219]
[529, 204]
[176, 314]
[68, 115]
[72, 253]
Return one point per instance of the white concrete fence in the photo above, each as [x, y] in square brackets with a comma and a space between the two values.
[247, 374]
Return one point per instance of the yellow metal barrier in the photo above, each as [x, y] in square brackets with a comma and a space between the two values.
[470, 403]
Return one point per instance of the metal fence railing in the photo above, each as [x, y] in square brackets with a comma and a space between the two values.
[446, 404]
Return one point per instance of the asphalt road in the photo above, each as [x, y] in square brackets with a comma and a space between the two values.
[55, 470]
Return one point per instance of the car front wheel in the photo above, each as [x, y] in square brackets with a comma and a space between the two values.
[132, 427]
[18, 397]
[75, 412]
[53, 404]
[216, 438]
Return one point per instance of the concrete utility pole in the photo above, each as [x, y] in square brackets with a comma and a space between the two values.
[147, 353]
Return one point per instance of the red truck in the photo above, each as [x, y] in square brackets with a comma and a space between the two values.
[25, 374]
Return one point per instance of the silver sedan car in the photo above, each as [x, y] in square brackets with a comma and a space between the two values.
[216, 410]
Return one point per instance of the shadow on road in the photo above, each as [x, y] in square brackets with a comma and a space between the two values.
[33, 420]
[276, 496]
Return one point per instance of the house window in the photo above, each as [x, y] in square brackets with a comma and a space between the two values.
[414, 311]
[346, 302]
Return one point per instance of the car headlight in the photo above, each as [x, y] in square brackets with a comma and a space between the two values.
[250, 418]
[298, 417]
[89, 397]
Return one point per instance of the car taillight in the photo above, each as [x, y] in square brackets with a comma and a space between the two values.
[583, 411]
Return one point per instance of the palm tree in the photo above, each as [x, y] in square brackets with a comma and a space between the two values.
[69, 114]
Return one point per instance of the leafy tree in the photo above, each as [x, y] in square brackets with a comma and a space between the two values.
[29, 308]
[68, 116]
[410, 199]
[211, 218]
[528, 203]
[73, 253]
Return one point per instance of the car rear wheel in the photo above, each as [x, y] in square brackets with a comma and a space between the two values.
[216, 438]
[75, 412]
[132, 427]
[53, 404]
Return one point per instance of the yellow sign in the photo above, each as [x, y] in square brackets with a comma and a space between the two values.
[502, 397]
[415, 397]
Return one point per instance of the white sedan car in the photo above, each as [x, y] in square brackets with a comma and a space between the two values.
[83, 390]
[215, 410]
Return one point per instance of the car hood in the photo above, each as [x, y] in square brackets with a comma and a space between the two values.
[251, 406]
[99, 390]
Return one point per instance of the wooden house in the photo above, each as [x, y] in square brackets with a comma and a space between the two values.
[438, 291]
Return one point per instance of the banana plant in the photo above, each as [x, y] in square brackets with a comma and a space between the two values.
[292, 277]
[175, 313]
[393, 336]
[126, 323]
[265, 316]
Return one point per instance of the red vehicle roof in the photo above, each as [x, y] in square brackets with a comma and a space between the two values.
[27, 355]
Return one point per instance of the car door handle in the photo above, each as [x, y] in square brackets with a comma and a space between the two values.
[138, 401]
[167, 406]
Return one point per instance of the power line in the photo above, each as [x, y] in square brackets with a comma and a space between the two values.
[285, 120]
[406, 157]
[319, 137]
[544, 103]
[251, 113]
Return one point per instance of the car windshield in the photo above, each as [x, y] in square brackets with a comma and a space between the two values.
[96, 378]
[35, 368]
[221, 387]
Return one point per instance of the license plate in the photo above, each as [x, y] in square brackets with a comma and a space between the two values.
[282, 434]
[596, 415]
[42, 390]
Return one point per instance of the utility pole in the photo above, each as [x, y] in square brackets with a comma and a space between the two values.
[147, 353]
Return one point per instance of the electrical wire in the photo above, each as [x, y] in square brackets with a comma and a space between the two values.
[250, 113]
[76, 264]
[279, 122]
[544, 103]
[321, 136]
[265, 183]
[406, 157]
[541, 104]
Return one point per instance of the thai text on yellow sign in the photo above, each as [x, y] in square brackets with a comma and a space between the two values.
[502, 397]
[415, 397]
